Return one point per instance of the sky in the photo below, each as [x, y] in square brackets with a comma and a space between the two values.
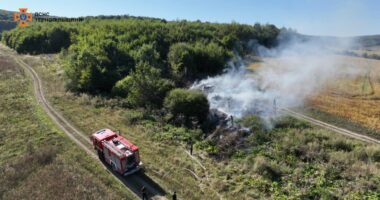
[312, 17]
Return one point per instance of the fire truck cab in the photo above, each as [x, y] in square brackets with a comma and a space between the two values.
[118, 152]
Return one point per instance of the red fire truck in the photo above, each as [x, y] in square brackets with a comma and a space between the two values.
[118, 152]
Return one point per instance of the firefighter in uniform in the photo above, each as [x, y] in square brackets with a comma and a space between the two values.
[143, 193]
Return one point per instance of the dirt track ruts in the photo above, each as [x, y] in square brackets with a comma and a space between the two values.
[331, 127]
[133, 182]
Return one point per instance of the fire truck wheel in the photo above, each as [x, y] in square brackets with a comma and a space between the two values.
[101, 155]
[113, 166]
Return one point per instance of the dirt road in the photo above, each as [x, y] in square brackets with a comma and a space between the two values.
[133, 182]
[331, 127]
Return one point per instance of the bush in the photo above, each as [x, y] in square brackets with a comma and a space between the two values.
[146, 88]
[208, 146]
[171, 133]
[122, 87]
[186, 106]
[263, 167]
[291, 122]
[255, 123]
[341, 145]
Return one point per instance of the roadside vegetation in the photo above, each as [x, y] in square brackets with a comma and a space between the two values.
[292, 160]
[36, 159]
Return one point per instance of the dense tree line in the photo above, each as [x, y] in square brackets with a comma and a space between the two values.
[140, 59]
[39, 38]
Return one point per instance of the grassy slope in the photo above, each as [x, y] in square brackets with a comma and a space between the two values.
[299, 162]
[169, 165]
[36, 159]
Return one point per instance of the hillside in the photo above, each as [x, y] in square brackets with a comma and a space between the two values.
[132, 74]
[6, 20]
[369, 40]
[292, 160]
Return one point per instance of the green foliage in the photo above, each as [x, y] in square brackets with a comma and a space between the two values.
[207, 146]
[181, 60]
[186, 106]
[146, 88]
[104, 50]
[290, 122]
[133, 116]
[254, 123]
[263, 167]
[97, 68]
[39, 39]
[192, 61]
[148, 53]
[122, 87]
[172, 133]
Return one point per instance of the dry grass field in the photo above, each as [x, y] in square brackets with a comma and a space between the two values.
[356, 98]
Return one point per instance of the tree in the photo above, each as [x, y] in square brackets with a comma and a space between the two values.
[122, 87]
[187, 106]
[97, 68]
[148, 53]
[181, 61]
[193, 61]
[146, 88]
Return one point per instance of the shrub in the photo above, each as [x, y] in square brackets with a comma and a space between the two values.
[208, 146]
[170, 132]
[373, 153]
[263, 167]
[133, 116]
[146, 88]
[122, 87]
[341, 145]
[186, 106]
[254, 123]
[291, 122]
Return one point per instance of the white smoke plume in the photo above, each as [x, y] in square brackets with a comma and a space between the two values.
[288, 74]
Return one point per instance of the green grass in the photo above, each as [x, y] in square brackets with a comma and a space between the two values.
[36, 159]
[292, 161]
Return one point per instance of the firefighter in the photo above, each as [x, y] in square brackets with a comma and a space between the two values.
[143, 193]
[175, 195]
[190, 144]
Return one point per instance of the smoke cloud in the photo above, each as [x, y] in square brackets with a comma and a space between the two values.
[288, 74]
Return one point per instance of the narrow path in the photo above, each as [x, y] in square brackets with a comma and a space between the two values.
[133, 182]
[331, 127]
